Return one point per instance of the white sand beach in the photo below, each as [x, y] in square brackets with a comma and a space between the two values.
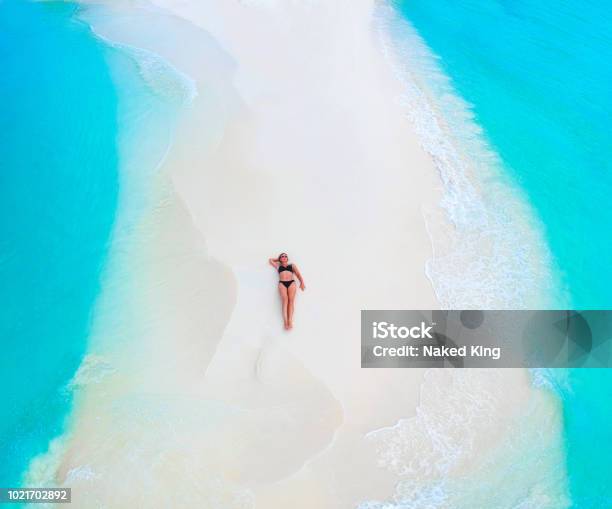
[192, 394]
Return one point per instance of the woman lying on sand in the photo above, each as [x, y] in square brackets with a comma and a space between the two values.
[286, 285]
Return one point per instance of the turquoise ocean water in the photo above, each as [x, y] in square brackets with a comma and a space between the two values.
[58, 197]
[84, 126]
[538, 79]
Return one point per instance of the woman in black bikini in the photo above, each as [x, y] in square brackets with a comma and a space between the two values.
[286, 285]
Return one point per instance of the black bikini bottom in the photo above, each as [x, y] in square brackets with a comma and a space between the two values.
[287, 283]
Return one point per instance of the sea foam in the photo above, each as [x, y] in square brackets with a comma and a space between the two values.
[489, 252]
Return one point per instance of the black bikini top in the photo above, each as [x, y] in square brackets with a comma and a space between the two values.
[283, 269]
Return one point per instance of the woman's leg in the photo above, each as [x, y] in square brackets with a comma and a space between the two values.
[284, 298]
[290, 305]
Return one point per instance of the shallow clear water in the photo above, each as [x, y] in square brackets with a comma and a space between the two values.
[537, 79]
[587, 419]
[84, 127]
[58, 196]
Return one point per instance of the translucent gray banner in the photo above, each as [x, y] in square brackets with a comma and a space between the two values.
[486, 339]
